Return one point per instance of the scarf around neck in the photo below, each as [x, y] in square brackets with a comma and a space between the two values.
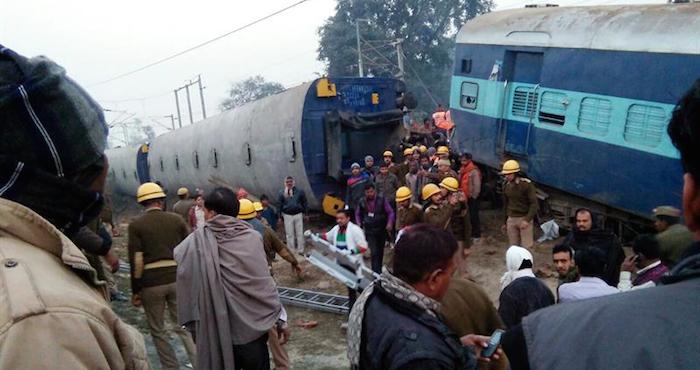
[393, 286]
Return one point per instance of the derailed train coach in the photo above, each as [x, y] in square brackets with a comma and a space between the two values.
[311, 132]
[581, 97]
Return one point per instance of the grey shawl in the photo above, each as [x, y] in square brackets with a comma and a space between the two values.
[225, 288]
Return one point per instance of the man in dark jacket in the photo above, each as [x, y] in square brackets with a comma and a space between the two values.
[644, 329]
[588, 234]
[375, 215]
[293, 206]
[396, 324]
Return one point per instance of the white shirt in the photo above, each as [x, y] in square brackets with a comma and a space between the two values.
[354, 237]
[586, 287]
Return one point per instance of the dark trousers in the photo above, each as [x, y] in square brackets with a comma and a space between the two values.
[253, 355]
[352, 294]
[474, 217]
[376, 240]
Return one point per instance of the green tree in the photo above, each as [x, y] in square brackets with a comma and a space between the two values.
[249, 90]
[427, 28]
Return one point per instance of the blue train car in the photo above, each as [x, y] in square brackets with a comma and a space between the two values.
[312, 132]
[581, 96]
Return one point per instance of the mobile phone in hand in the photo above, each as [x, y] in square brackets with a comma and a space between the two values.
[494, 342]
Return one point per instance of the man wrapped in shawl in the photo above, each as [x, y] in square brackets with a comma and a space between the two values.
[226, 295]
[521, 292]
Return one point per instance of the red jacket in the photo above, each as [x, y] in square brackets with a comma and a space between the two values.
[464, 172]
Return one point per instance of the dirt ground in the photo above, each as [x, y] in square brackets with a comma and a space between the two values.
[324, 346]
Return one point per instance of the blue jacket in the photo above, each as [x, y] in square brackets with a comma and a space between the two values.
[398, 335]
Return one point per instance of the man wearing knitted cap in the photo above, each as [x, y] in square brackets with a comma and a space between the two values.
[53, 310]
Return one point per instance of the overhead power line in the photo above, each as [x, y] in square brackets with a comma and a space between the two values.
[162, 60]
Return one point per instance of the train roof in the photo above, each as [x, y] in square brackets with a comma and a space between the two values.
[661, 28]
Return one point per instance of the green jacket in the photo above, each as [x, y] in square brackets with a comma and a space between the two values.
[672, 242]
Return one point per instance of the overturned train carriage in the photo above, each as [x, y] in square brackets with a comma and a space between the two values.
[581, 96]
[311, 132]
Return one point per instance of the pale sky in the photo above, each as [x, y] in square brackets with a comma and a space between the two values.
[97, 40]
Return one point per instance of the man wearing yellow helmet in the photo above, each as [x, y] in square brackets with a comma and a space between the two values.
[183, 205]
[407, 212]
[388, 157]
[520, 206]
[438, 211]
[400, 170]
[152, 238]
[459, 223]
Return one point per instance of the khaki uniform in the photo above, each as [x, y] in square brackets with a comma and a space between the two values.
[54, 314]
[400, 170]
[408, 216]
[182, 208]
[673, 242]
[520, 203]
[439, 216]
[152, 238]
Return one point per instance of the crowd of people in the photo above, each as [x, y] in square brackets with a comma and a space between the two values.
[208, 263]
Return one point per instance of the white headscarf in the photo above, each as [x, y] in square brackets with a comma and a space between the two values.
[514, 258]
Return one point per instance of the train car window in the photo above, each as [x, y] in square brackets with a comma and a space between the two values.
[124, 173]
[469, 95]
[645, 125]
[214, 158]
[196, 159]
[553, 108]
[136, 177]
[594, 116]
[162, 166]
[177, 163]
[466, 66]
[524, 101]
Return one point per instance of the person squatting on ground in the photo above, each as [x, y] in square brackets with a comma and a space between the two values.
[152, 238]
[396, 322]
[521, 292]
[54, 312]
[273, 245]
[376, 216]
[293, 206]
[226, 293]
[638, 329]
[520, 204]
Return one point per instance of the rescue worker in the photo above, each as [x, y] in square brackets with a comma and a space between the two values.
[520, 204]
[258, 213]
[459, 221]
[673, 236]
[423, 149]
[443, 152]
[400, 170]
[443, 171]
[388, 157]
[183, 205]
[54, 313]
[152, 238]
[407, 212]
[438, 212]
[273, 245]
[375, 215]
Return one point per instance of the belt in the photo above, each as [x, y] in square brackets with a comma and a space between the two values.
[159, 264]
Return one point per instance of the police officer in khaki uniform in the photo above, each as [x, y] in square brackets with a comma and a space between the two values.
[183, 205]
[459, 221]
[673, 237]
[407, 212]
[438, 212]
[152, 238]
[520, 204]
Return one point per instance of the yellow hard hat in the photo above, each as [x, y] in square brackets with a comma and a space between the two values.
[182, 191]
[443, 150]
[408, 151]
[450, 183]
[148, 191]
[246, 210]
[403, 193]
[388, 153]
[510, 166]
[423, 148]
[258, 206]
[429, 190]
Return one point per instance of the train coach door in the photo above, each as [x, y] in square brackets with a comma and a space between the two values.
[142, 164]
[521, 102]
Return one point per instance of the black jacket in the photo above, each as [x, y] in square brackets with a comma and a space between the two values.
[292, 205]
[398, 335]
[605, 241]
[522, 297]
